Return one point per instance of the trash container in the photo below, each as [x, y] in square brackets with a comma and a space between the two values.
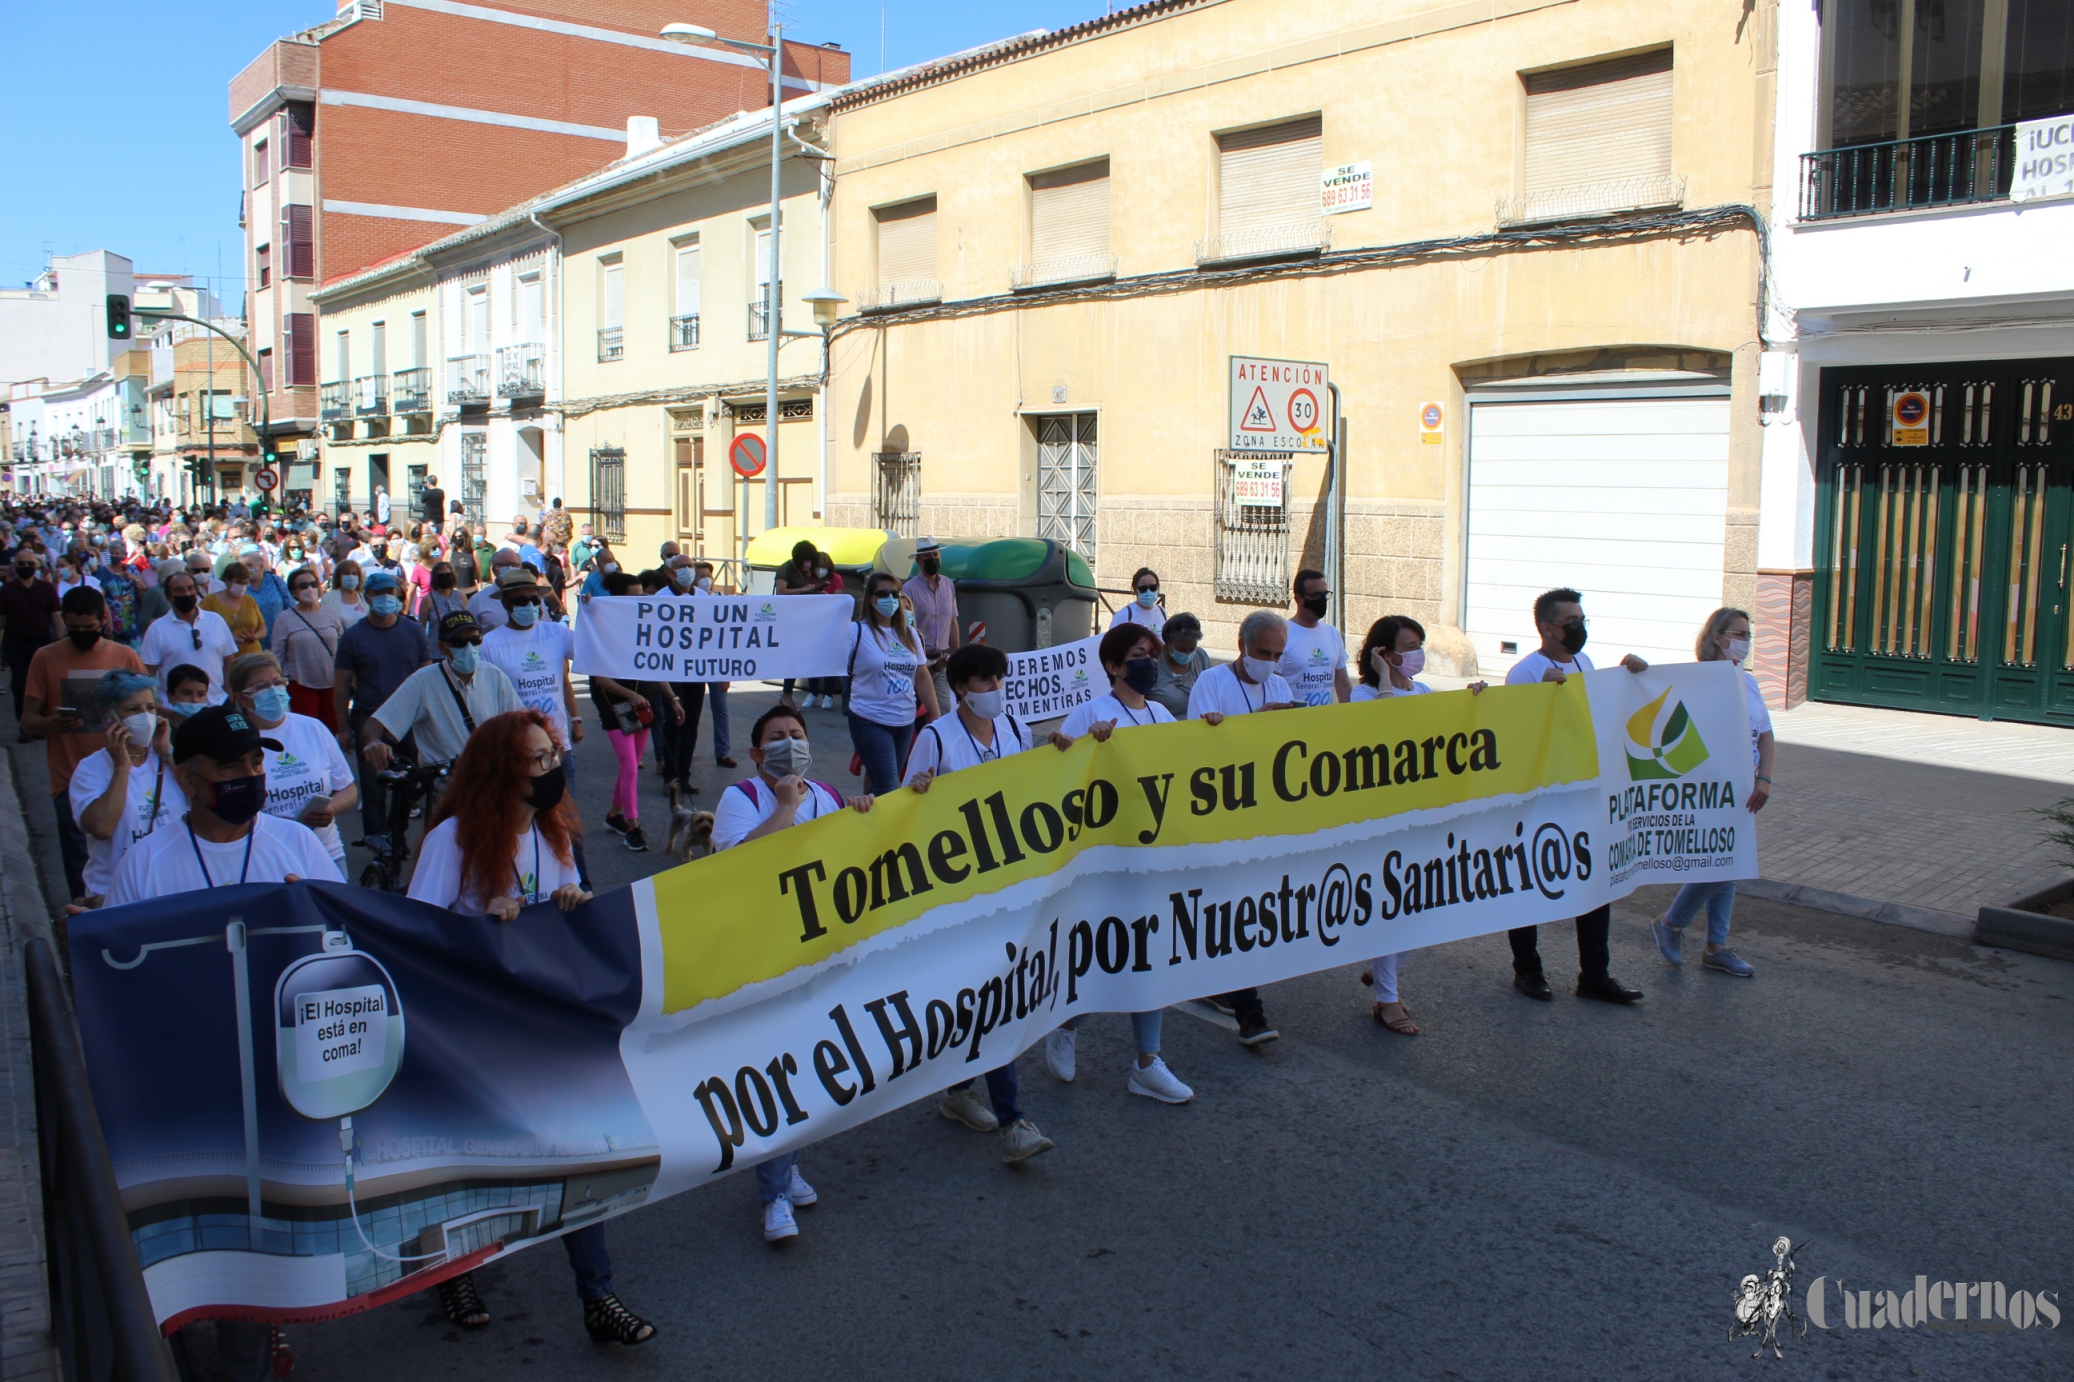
[851, 551]
[1030, 592]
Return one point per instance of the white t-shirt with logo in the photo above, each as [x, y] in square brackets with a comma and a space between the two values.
[1135, 613]
[536, 660]
[173, 859]
[1310, 660]
[750, 802]
[309, 764]
[536, 874]
[1529, 669]
[946, 745]
[151, 803]
[1086, 717]
[1364, 692]
[1760, 716]
[1219, 690]
[882, 677]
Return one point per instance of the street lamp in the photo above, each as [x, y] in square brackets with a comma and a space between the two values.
[773, 54]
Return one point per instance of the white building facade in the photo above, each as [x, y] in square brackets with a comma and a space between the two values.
[1918, 380]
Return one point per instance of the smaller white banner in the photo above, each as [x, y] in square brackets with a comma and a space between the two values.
[1257, 482]
[713, 638]
[1053, 682]
[1349, 187]
[2044, 159]
[340, 1032]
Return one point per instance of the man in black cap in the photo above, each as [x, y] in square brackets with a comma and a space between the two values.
[226, 837]
[442, 702]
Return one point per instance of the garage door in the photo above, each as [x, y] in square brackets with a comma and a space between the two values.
[1623, 499]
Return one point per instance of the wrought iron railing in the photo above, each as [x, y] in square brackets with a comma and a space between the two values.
[1592, 199]
[896, 500]
[332, 405]
[1310, 235]
[1928, 171]
[684, 332]
[759, 313]
[609, 491]
[911, 293]
[522, 371]
[468, 379]
[371, 395]
[612, 343]
[1049, 273]
[411, 390]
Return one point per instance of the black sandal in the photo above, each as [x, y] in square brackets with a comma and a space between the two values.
[609, 1322]
[461, 1305]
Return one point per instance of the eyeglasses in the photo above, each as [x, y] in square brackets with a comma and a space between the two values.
[544, 761]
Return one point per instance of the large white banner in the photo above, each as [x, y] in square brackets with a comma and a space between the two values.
[1052, 683]
[713, 637]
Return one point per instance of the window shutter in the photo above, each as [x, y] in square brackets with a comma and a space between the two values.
[907, 248]
[345, 356]
[417, 340]
[763, 260]
[300, 332]
[298, 120]
[615, 296]
[689, 265]
[1606, 122]
[1269, 177]
[378, 353]
[1069, 222]
[298, 242]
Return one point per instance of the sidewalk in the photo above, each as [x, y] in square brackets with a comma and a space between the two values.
[26, 1349]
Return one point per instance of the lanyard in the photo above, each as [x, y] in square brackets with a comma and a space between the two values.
[196, 847]
[1130, 714]
[984, 755]
[525, 893]
[1250, 707]
[158, 792]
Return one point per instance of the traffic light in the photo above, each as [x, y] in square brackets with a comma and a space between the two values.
[118, 316]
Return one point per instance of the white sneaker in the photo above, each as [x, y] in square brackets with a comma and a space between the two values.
[1058, 1053]
[1020, 1141]
[1155, 1081]
[798, 1191]
[778, 1223]
[968, 1107]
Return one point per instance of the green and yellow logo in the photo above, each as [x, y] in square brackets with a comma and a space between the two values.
[1662, 741]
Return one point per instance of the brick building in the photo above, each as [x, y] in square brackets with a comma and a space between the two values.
[399, 120]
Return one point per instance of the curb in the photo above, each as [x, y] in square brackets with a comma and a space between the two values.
[21, 885]
[1943, 923]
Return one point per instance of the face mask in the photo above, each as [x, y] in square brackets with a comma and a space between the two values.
[1179, 658]
[238, 799]
[271, 703]
[27, 573]
[306, 595]
[1260, 669]
[234, 591]
[787, 757]
[888, 605]
[443, 581]
[705, 583]
[1412, 663]
[142, 726]
[349, 582]
[1573, 638]
[182, 709]
[544, 793]
[464, 658]
[930, 566]
[680, 576]
[610, 567]
[988, 705]
[822, 572]
[522, 616]
[385, 605]
[1141, 674]
[1738, 649]
[1148, 598]
[184, 603]
[84, 639]
[1317, 604]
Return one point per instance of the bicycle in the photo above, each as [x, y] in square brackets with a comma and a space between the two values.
[410, 785]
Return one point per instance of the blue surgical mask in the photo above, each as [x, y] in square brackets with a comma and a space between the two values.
[349, 581]
[888, 605]
[464, 657]
[385, 605]
[271, 703]
[1148, 598]
[522, 616]
[182, 709]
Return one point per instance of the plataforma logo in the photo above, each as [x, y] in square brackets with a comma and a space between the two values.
[1663, 742]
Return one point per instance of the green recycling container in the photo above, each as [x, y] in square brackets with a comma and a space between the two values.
[1030, 592]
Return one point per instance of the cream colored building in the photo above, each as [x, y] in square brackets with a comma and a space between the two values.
[379, 401]
[1060, 243]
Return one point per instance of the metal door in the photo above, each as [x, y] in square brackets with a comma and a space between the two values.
[1942, 565]
[1066, 481]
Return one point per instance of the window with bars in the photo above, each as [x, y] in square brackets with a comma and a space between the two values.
[608, 491]
[1066, 481]
[896, 496]
[1252, 535]
[475, 446]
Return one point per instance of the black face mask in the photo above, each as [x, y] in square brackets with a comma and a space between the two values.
[443, 581]
[27, 573]
[1141, 674]
[237, 800]
[1573, 638]
[545, 793]
[84, 639]
[1317, 604]
[930, 566]
[184, 603]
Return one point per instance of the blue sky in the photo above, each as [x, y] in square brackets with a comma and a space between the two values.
[115, 111]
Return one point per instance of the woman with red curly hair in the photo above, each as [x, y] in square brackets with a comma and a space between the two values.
[503, 838]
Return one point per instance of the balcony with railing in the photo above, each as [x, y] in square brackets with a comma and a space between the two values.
[332, 404]
[468, 379]
[759, 313]
[1923, 173]
[612, 343]
[1582, 201]
[522, 371]
[891, 297]
[1059, 273]
[684, 332]
[371, 395]
[1283, 240]
[410, 391]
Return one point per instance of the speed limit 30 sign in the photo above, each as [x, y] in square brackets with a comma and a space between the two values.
[1279, 405]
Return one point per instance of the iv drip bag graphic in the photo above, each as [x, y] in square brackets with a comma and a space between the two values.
[338, 1034]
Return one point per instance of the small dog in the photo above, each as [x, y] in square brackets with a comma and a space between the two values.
[691, 832]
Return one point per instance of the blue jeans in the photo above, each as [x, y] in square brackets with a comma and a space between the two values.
[1718, 898]
[589, 1260]
[716, 694]
[774, 1177]
[883, 749]
[1001, 1091]
[1145, 1029]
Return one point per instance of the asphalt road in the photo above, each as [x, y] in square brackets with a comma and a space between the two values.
[1525, 1190]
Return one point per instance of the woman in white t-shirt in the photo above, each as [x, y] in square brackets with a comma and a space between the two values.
[307, 778]
[1144, 609]
[345, 597]
[502, 838]
[1130, 655]
[122, 794]
[884, 656]
[1724, 637]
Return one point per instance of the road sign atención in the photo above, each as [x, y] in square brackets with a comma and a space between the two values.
[1279, 405]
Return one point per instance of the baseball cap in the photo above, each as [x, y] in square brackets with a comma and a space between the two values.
[382, 579]
[456, 623]
[517, 580]
[221, 732]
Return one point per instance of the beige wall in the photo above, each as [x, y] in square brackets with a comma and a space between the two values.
[1432, 97]
[351, 445]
